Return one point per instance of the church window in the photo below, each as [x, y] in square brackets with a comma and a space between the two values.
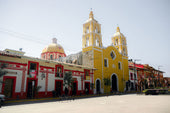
[116, 42]
[123, 42]
[124, 51]
[106, 62]
[96, 30]
[87, 42]
[112, 54]
[119, 65]
[87, 30]
[97, 42]
[51, 57]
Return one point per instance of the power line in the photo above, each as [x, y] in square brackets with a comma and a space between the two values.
[23, 36]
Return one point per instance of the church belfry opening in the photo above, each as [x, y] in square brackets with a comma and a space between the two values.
[91, 33]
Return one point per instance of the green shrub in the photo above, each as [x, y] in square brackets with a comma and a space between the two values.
[144, 91]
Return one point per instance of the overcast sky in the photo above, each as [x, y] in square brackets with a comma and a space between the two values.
[31, 25]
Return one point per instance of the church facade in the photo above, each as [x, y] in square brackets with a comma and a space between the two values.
[110, 62]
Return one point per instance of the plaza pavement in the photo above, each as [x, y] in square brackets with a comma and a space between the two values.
[131, 103]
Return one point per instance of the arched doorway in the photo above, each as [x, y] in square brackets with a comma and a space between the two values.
[114, 82]
[98, 86]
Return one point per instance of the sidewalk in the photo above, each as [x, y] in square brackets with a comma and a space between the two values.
[52, 99]
[116, 103]
[39, 100]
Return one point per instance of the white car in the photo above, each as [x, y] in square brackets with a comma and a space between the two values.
[2, 99]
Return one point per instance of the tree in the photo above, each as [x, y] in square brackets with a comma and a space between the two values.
[68, 80]
[107, 83]
[2, 71]
[36, 90]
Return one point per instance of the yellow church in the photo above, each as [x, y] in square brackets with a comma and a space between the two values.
[110, 62]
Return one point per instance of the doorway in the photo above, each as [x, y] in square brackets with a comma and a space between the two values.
[74, 89]
[87, 88]
[132, 86]
[127, 86]
[59, 88]
[31, 85]
[8, 88]
[114, 83]
[98, 86]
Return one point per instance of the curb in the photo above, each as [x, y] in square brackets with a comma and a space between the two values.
[52, 99]
[28, 100]
[59, 99]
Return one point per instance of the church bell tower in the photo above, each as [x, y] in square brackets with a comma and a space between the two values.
[91, 33]
[119, 41]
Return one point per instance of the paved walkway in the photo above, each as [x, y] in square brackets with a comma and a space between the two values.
[112, 104]
[39, 100]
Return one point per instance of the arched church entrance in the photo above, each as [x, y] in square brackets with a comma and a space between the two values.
[114, 82]
[98, 86]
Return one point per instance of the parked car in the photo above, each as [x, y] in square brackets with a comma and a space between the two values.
[2, 99]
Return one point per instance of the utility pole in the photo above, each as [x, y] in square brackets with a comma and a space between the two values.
[135, 72]
[134, 63]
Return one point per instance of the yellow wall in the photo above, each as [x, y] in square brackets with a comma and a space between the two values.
[102, 72]
[97, 62]
[113, 68]
[98, 54]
